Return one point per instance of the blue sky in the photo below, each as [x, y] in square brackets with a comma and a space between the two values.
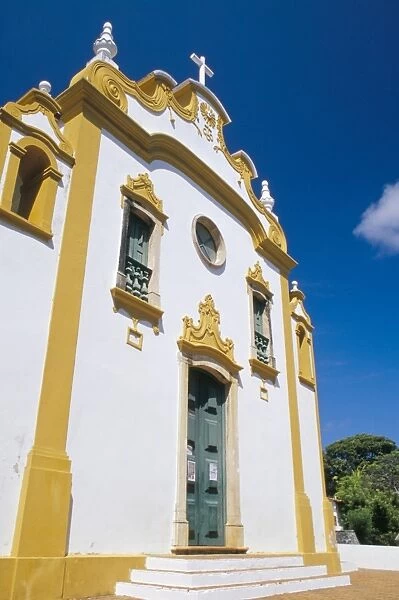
[312, 88]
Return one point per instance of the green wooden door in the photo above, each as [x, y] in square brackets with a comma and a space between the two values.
[205, 460]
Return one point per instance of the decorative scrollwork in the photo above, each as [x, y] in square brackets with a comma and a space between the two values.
[113, 91]
[275, 236]
[210, 121]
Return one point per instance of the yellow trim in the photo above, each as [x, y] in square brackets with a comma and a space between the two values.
[328, 513]
[5, 134]
[41, 215]
[297, 298]
[263, 370]
[305, 352]
[134, 337]
[141, 188]
[303, 510]
[136, 308]
[329, 559]
[241, 164]
[160, 146]
[43, 512]
[306, 380]
[74, 576]
[33, 102]
[152, 93]
[256, 280]
[205, 338]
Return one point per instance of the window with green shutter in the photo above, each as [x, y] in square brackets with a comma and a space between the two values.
[136, 270]
[262, 342]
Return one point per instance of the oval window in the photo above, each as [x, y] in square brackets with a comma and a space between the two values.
[208, 241]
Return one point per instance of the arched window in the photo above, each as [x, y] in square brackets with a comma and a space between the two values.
[30, 180]
[30, 186]
[304, 355]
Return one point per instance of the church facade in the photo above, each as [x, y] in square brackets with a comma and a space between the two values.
[158, 382]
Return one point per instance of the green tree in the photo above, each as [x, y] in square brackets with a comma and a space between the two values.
[345, 456]
[383, 473]
[361, 521]
[372, 514]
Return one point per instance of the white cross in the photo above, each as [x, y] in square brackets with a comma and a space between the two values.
[204, 69]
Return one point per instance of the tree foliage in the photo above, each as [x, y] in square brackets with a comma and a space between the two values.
[372, 514]
[383, 473]
[345, 456]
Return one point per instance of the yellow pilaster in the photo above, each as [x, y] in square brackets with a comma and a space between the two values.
[303, 510]
[43, 512]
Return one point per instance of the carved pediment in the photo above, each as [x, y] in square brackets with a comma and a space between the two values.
[257, 281]
[205, 338]
[141, 188]
[33, 102]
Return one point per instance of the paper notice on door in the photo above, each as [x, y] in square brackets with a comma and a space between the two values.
[190, 470]
[213, 471]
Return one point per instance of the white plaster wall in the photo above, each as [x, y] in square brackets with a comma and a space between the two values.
[28, 267]
[370, 557]
[123, 428]
[310, 452]
[40, 121]
[191, 135]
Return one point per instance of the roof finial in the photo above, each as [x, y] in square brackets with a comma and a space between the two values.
[45, 86]
[266, 198]
[104, 47]
[294, 286]
[204, 69]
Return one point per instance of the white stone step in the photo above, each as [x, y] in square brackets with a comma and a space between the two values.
[235, 592]
[223, 577]
[220, 563]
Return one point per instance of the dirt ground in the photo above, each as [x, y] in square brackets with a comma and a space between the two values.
[366, 585]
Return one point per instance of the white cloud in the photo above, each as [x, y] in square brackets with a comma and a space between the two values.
[379, 223]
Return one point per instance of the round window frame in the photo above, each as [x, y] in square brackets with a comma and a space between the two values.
[217, 239]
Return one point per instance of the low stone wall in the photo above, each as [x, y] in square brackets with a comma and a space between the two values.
[370, 557]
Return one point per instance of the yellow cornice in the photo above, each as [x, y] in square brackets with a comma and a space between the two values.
[83, 96]
[141, 188]
[205, 338]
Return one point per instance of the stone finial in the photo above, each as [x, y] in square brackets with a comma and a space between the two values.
[295, 292]
[294, 286]
[45, 87]
[104, 47]
[266, 198]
